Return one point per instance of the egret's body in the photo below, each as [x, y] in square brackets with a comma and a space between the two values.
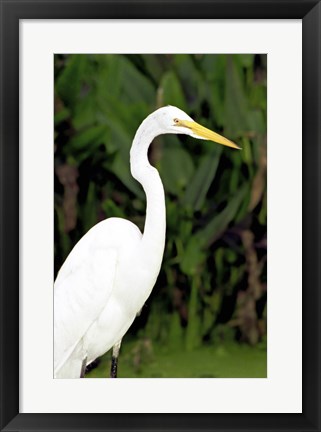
[111, 271]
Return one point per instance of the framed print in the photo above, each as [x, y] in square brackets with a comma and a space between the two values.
[228, 330]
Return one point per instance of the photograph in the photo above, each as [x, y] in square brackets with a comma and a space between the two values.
[160, 216]
[160, 211]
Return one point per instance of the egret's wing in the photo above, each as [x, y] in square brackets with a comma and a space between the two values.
[79, 298]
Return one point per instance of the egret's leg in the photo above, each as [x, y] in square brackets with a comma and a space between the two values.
[114, 360]
[83, 368]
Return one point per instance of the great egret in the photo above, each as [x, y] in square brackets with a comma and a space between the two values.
[111, 271]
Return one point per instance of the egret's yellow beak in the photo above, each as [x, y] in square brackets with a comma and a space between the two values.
[205, 133]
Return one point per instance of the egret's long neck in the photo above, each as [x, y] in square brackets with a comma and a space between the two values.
[144, 173]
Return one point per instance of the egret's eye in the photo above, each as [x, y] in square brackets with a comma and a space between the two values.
[176, 121]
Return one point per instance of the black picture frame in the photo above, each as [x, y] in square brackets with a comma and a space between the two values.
[11, 12]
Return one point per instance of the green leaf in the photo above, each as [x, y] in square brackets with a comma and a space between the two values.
[236, 106]
[109, 81]
[111, 209]
[263, 212]
[234, 181]
[191, 81]
[89, 209]
[154, 324]
[91, 137]
[175, 335]
[154, 65]
[120, 168]
[69, 82]
[256, 121]
[246, 60]
[61, 115]
[85, 113]
[221, 221]
[135, 86]
[176, 166]
[193, 331]
[172, 91]
[199, 185]
[120, 139]
[247, 151]
[213, 303]
[216, 100]
[214, 67]
[64, 239]
[193, 256]
[243, 208]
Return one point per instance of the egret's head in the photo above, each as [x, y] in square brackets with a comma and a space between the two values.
[173, 120]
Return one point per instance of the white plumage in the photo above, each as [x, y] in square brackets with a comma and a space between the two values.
[111, 271]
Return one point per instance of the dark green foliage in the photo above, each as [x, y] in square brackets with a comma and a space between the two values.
[213, 278]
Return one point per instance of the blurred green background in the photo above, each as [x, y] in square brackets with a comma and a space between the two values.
[206, 316]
